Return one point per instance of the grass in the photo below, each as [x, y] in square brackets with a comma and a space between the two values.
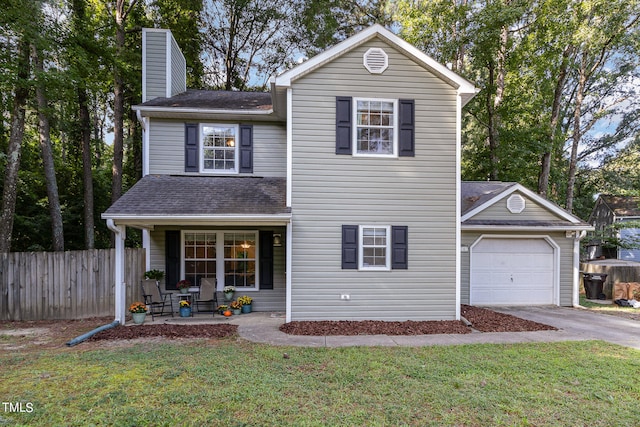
[235, 383]
[606, 308]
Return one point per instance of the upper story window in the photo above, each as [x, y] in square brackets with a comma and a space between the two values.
[375, 127]
[219, 148]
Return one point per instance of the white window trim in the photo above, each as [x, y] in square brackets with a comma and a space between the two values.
[354, 134]
[361, 266]
[221, 259]
[235, 171]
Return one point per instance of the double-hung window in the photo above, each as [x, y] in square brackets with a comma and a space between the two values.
[375, 247]
[375, 127]
[231, 255]
[219, 148]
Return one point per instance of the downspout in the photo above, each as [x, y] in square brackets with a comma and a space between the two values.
[84, 337]
[144, 122]
[576, 268]
[120, 286]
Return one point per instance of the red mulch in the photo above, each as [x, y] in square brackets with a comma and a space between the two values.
[166, 331]
[485, 320]
[482, 319]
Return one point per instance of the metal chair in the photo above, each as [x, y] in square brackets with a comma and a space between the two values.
[155, 299]
[207, 295]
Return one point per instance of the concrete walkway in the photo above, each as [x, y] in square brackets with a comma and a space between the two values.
[573, 325]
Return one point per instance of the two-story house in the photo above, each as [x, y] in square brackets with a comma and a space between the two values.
[337, 195]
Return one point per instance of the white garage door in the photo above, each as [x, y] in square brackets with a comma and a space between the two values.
[512, 272]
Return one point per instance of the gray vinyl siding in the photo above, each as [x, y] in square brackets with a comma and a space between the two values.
[532, 212]
[566, 261]
[264, 300]
[166, 148]
[330, 190]
[178, 69]
[156, 64]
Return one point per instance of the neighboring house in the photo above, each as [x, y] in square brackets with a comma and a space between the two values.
[337, 195]
[610, 210]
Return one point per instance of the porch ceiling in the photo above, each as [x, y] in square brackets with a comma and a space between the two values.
[205, 200]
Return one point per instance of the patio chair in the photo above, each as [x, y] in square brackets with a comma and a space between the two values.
[207, 295]
[155, 299]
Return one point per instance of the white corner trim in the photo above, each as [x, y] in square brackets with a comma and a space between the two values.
[458, 203]
[144, 64]
[289, 144]
[531, 195]
[288, 264]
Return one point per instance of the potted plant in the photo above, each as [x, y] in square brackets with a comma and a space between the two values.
[246, 303]
[183, 286]
[222, 308]
[156, 275]
[185, 309]
[228, 292]
[236, 307]
[138, 311]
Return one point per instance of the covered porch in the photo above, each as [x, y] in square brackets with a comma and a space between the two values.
[231, 231]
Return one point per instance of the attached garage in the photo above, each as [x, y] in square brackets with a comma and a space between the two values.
[517, 248]
[513, 271]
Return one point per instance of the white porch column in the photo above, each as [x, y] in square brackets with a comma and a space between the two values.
[120, 285]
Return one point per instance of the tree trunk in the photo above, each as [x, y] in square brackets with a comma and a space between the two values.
[84, 119]
[57, 230]
[118, 105]
[87, 171]
[577, 133]
[14, 150]
[545, 167]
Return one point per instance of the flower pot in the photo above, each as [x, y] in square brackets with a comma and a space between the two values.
[183, 290]
[138, 318]
[246, 308]
[237, 311]
[228, 296]
[185, 311]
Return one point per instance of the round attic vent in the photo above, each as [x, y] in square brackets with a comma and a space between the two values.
[516, 204]
[375, 60]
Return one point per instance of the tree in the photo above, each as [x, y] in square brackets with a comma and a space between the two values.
[247, 41]
[16, 20]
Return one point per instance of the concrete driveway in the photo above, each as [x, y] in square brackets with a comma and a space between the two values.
[579, 324]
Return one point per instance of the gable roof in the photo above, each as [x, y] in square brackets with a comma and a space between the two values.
[476, 196]
[169, 199]
[464, 87]
[621, 206]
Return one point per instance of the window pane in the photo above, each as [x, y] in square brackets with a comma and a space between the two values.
[219, 144]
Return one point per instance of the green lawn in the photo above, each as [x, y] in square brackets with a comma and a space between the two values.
[235, 383]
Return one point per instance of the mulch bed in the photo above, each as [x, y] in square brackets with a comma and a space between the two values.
[482, 319]
[166, 331]
[485, 320]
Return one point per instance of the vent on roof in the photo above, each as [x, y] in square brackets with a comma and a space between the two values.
[375, 60]
[516, 204]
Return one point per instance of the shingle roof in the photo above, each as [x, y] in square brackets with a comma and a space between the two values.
[215, 100]
[166, 195]
[622, 205]
[475, 193]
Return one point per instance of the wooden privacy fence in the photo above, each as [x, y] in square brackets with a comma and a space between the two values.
[65, 285]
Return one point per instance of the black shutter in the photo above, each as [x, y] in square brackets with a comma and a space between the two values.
[343, 125]
[172, 258]
[399, 247]
[191, 161]
[350, 247]
[266, 259]
[406, 131]
[246, 149]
